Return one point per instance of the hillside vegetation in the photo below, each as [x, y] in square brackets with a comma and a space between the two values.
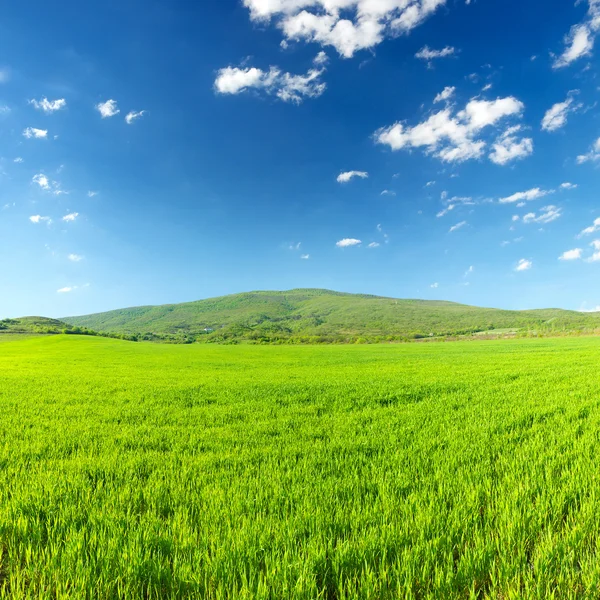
[308, 315]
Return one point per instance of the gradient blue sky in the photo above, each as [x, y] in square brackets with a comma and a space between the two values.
[252, 109]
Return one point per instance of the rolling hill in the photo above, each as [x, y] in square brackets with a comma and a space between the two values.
[312, 315]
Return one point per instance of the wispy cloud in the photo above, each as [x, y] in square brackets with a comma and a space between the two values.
[593, 155]
[40, 219]
[523, 265]
[70, 217]
[434, 286]
[18, 160]
[347, 242]
[49, 106]
[547, 215]
[75, 257]
[304, 256]
[592, 229]
[388, 193]
[32, 132]
[556, 116]
[444, 95]
[532, 194]
[429, 54]
[108, 109]
[66, 290]
[580, 40]
[285, 86]
[568, 186]
[133, 115]
[348, 175]
[42, 181]
[374, 245]
[457, 226]
[91, 194]
[574, 254]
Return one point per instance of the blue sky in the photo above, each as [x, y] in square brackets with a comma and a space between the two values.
[164, 151]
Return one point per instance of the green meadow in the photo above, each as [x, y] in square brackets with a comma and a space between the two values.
[442, 470]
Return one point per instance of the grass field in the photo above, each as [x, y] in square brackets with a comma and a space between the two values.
[454, 470]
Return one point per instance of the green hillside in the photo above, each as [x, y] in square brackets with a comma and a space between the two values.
[309, 315]
[33, 325]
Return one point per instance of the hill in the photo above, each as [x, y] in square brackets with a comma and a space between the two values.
[33, 325]
[311, 315]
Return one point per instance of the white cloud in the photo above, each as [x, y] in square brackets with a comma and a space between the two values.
[524, 265]
[285, 86]
[507, 147]
[18, 160]
[374, 245]
[579, 42]
[457, 226]
[133, 115]
[556, 116]
[486, 87]
[305, 256]
[427, 53]
[568, 186]
[434, 286]
[66, 290]
[49, 106]
[32, 132]
[592, 155]
[596, 256]
[593, 229]
[107, 109]
[347, 242]
[532, 194]
[40, 219]
[42, 181]
[348, 175]
[574, 254]
[70, 217]
[445, 94]
[452, 137]
[4, 74]
[548, 214]
[91, 194]
[388, 193]
[347, 25]
[469, 271]
[75, 257]
[429, 184]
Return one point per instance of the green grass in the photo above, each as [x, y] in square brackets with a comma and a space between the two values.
[308, 315]
[456, 470]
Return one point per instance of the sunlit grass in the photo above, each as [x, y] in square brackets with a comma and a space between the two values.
[456, 470]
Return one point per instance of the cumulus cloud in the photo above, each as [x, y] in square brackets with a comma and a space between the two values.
[70, 217]
[40, 219]
[580, 40]
[347, 242]
[532, 194]
[547, 215]
[349, 175]
[445, 94]
[593, 155]
[285, 86]
[428, 54]
[32, 132]
[524, 265]
[452, 136]
[133, 115]
[457, 226]
[508, 147]
[42, 181]
[596, 255]
[108, 109]
[346, 25]
[556, 116]
[568, 186]
[49, 106]
[574, 254]
[592, 229]
[75, 257]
